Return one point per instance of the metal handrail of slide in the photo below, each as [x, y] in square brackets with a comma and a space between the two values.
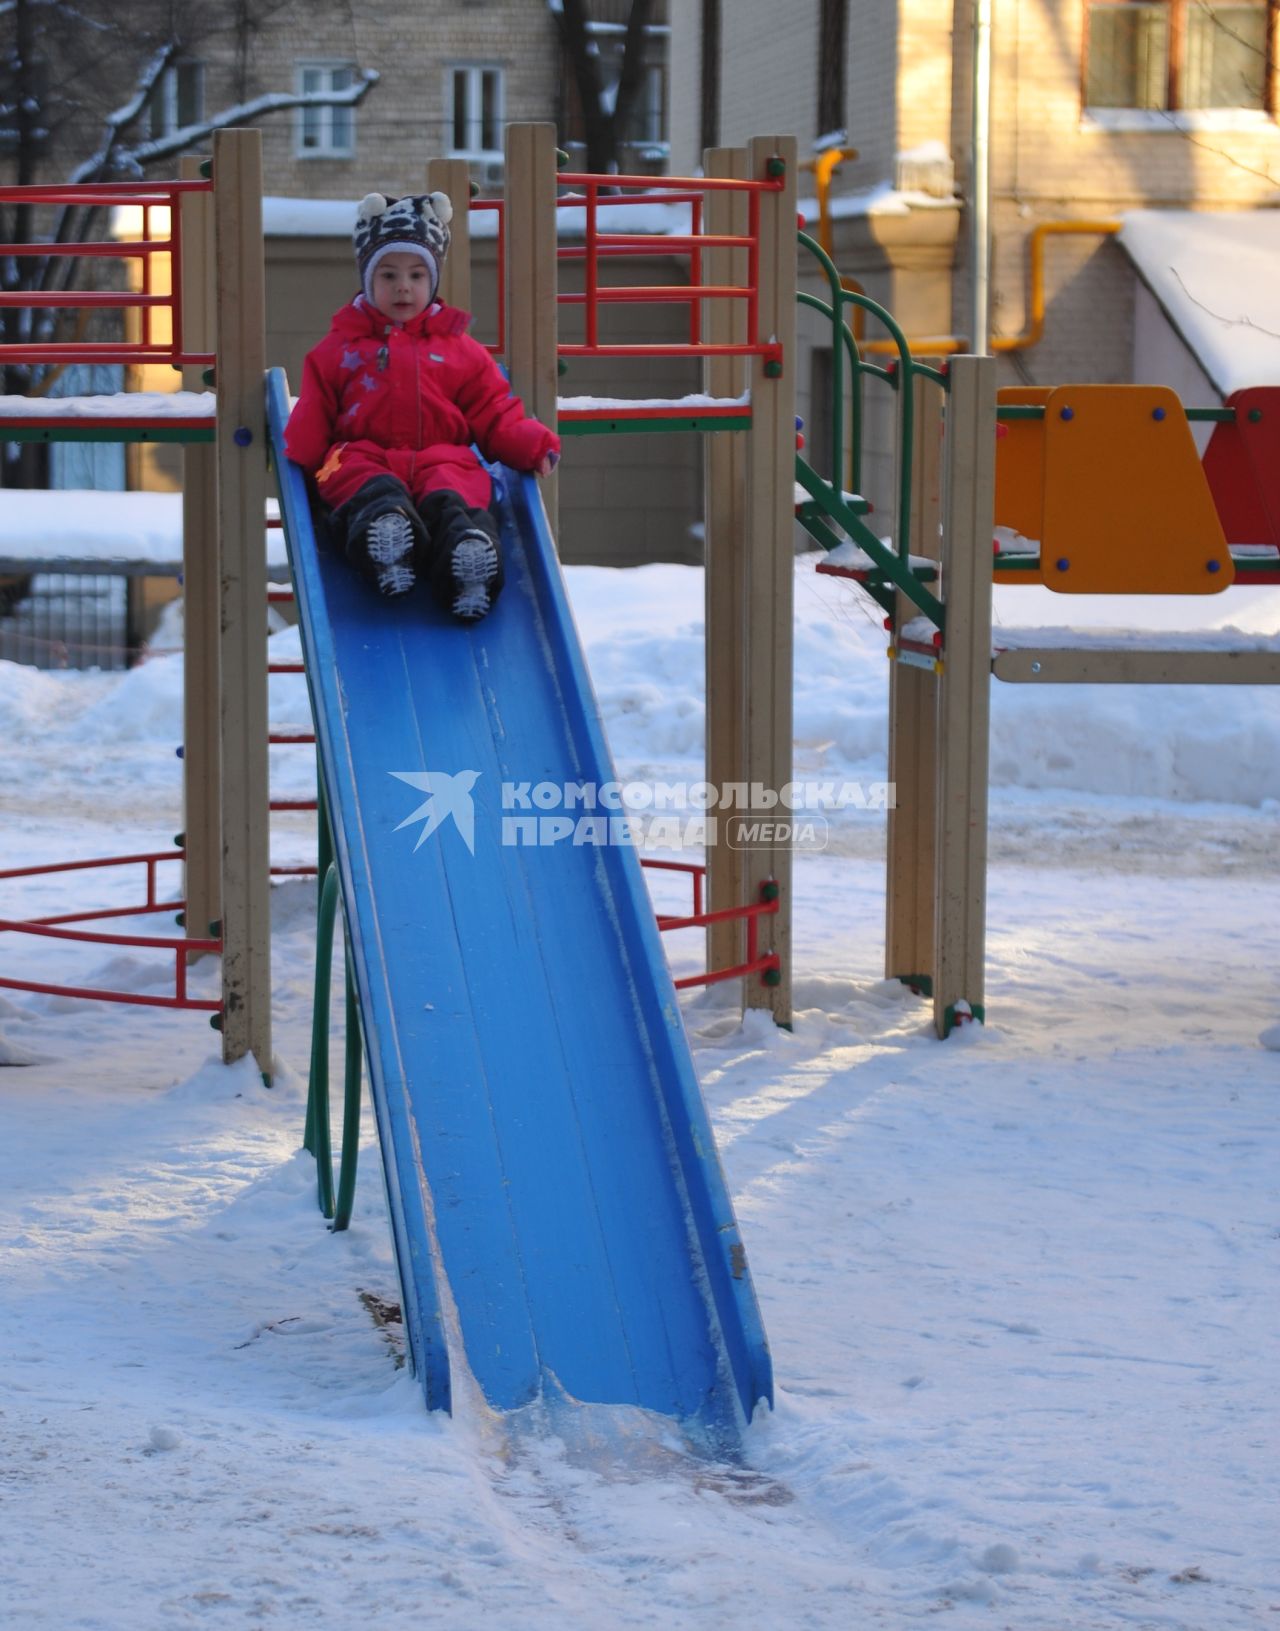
[830, 495]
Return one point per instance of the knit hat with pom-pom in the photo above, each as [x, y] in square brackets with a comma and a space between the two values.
[412, 226]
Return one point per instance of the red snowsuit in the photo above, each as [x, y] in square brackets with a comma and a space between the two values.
[379, 398]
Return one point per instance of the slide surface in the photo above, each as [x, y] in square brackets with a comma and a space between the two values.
[556, 1197]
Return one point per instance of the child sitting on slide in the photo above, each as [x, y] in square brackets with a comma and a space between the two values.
[392, 399]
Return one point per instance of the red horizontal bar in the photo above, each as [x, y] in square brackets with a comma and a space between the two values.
[652, 243]
[672, 866]
[16, 926]
[90, 192]
[276, 595]
[659, 293]
[677, 410]
[286, 668]
[727, 914]
[84, 297]
[688, 184]
[292, 804]
[121, 249]
[668, 351]
[110, 911]
[105, 351]
[282, 739]
[294, 871]
[758, 966]
[84, 866]
[89, 994]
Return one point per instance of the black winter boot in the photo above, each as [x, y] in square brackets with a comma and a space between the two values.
[464, 559]
[383, 534]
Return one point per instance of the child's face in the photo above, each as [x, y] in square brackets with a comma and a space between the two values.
[401, 286]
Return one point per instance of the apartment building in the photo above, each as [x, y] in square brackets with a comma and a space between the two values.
[1098, 109]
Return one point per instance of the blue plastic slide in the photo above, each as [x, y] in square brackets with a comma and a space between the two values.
[559, 1211]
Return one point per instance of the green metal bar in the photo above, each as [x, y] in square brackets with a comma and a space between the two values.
[894, 568]
[841, 297]
[624, 426]
[818, 527]
[318, 1087]
[350, 1109]
[324, 860]
[317, 1138]
[935, 374]
[89, 433]
[855, 396]
[1027, 410]
[837, 364]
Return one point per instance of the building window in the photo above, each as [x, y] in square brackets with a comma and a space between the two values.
[176, 101]
[474, 100]
[326, 132]
[1178, 55]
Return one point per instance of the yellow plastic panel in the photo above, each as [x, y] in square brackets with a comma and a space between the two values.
[1020, 474]
[1127, 509]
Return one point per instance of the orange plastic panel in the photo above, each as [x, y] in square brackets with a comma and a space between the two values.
[1020, 473]
[1127, 509]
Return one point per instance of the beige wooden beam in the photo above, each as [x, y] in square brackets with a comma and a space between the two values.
[242, 495]
[453, 176]
[964, 700]
[201, 798]
[724, 322]
[769, 560]
[913, 727]
[531, 317]
[1063, 666]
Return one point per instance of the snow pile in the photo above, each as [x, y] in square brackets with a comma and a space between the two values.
[1018, 1287]
[36, 524]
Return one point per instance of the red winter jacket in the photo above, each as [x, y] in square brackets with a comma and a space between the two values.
[410, 399]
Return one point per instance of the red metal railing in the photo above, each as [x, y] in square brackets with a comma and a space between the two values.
[146, 196]
[757, 962]
[598, 245]
[498, 207]
[51, 928]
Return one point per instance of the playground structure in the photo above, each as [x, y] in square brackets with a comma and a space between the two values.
[1086, 489]
[554, 1283]
[478, 1193]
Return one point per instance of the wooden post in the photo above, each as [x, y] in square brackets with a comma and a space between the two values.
[242, 497]
[770, 558]
[453, 176]
[964, 701]
[530, 276]
[724, 322]
[201, 798]
[913, 727]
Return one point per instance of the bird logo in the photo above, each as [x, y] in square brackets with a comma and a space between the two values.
[447, 795]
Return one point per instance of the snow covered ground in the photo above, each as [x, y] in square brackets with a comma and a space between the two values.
[1021, 1287]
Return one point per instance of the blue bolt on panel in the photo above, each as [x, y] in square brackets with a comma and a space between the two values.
[546, 1148]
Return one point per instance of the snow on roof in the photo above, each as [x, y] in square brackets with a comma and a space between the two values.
[1215, 276]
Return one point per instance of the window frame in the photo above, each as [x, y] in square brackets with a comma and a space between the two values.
[474, 72]
[328, 148]
[1173, 112]
[165, 100]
